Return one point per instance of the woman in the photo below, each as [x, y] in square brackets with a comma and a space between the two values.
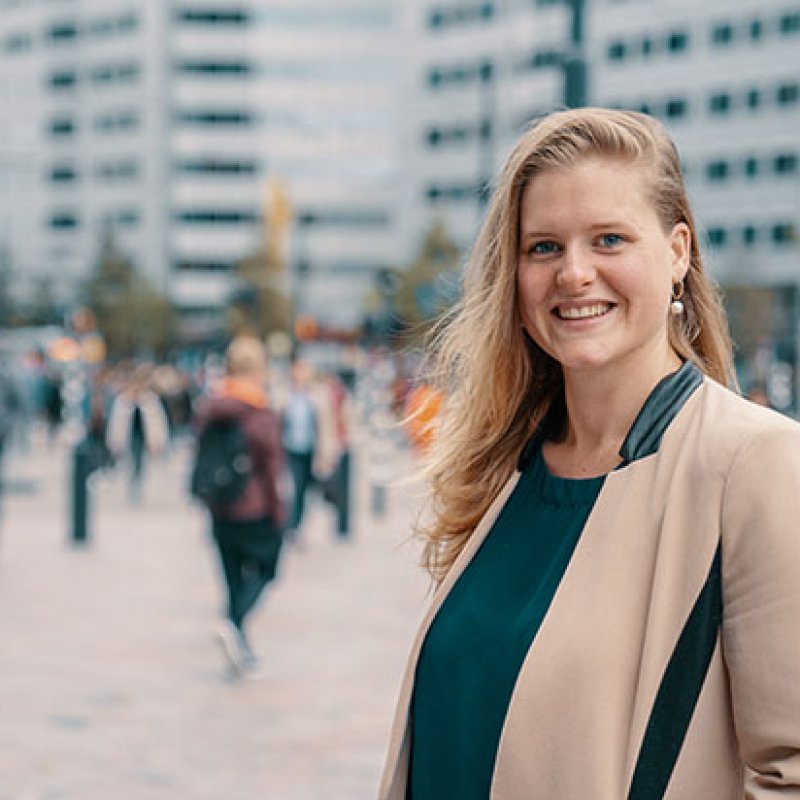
[247, 531]
[614, 538]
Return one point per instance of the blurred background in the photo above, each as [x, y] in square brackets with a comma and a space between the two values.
[312, 172]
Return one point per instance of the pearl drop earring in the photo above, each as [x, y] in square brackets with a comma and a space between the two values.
[676, 307]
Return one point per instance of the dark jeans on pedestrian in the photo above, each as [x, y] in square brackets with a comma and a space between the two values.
[300, 467]
[137, 469]
[248, 551]
[341, 490]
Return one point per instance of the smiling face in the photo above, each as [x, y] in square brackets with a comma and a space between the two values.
[596, 267]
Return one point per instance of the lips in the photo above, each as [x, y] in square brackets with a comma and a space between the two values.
[584, 311]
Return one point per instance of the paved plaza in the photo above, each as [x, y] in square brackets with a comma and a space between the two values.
[112, 686]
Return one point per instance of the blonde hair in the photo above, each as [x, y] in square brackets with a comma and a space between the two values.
[498, 383]
[245, 356]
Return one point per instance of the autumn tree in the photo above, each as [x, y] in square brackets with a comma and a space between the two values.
[260, 304]
[132, 315]
[430, 284]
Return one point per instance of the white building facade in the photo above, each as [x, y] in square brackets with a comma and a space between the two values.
[164, 123]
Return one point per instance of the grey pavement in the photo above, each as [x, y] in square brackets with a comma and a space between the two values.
[111, 683]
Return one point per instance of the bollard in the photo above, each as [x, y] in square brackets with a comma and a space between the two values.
[81, 469]
[378, 506]
[343, 495]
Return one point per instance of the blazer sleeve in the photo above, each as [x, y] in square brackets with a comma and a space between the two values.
[761, 608]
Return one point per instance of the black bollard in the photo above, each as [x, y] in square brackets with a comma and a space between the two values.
[81, 469]
[343, 495]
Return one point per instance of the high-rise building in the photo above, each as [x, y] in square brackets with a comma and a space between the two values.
[165, 123]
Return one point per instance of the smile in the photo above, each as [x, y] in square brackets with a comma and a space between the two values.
[584, 312]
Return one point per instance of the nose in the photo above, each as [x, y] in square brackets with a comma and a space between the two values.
[575, 269]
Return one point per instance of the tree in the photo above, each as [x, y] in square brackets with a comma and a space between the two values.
[430, 284]
[132, 316]
[260, 304]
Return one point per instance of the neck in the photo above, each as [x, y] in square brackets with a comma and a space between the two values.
[601, 408]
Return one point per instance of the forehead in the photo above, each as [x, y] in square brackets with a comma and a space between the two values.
[592, 186]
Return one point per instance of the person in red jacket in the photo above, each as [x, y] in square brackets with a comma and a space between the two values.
[248, 532]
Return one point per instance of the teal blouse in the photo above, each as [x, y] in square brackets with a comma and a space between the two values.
[478, 640]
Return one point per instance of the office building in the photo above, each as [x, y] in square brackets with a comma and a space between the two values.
[164, 123]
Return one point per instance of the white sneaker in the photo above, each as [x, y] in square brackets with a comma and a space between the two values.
[228, 637]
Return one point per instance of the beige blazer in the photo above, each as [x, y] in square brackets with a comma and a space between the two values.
[593, 711]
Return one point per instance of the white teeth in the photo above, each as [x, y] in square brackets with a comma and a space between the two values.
[596, 310]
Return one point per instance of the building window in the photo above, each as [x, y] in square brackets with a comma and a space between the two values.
[127, 217]
[215, 67]
[62, 126]
[676, 107]
[63, 173]
[217, 216]
[118, 121]
[543, 58]
[717, 237]
[233, 16]
[722, 34]
[788, 94]
[784, 233]
[751, 167]
[455, 193]
[127, 22]
[749, 235]
[616, 51]
[785, 163]
[63, 220]
[63, 79]
[239, 117]
[756, 29]
[678, 41]
[125, 169]
[646, 46]
[204, 266]
[717, 170]
[62, 32]
[108, 73]
[719, 103]
[789, 24]
[753, 99]
[212, 166]
[18, 42]
[354, 218]
[461, 14]
[106, 26]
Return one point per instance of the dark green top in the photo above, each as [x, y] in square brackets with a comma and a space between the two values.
[477, 642]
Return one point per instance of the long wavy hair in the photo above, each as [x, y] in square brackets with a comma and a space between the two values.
[497, 383]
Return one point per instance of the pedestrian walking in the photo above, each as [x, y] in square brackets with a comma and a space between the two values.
[300, 423]
[614, 538]
[9, 412]
[333, 462]
[237, 467]
[137, 429]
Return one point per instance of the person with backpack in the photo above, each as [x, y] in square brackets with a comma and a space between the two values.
[238, 461]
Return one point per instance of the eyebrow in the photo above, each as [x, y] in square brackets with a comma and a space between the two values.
[598, 226]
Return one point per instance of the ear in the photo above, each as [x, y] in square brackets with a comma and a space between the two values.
[681, 246]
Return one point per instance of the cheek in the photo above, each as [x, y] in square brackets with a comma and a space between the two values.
[530, 295]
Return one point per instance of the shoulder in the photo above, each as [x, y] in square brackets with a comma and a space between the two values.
[728, 423]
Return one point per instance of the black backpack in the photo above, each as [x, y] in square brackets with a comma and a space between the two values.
[222, 465]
